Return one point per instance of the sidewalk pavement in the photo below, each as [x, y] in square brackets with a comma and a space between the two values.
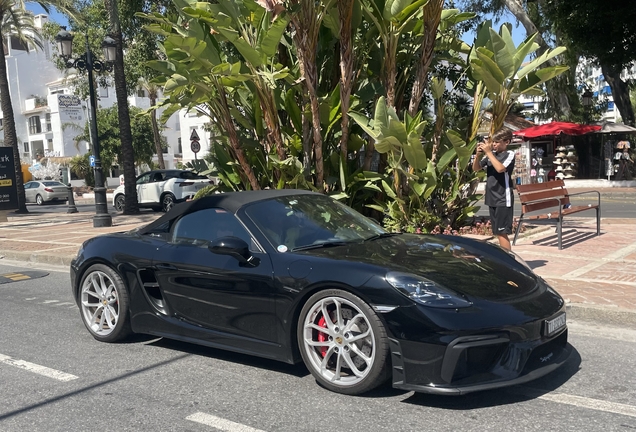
[595, 274]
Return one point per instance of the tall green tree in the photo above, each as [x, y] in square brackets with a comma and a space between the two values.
[108, 128]
[131, 205]
[153, 94]
[561, 91]
[240, 63]
[605, 33]
[17, 22]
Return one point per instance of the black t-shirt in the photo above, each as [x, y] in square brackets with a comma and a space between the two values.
[499, 185]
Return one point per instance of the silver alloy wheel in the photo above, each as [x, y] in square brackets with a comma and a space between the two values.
[100, 303]
[39, 200]
[120, 203]
[168, 202]
[340, 347]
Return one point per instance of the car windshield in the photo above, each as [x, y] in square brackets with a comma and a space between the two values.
[52, 183]
[302, 221]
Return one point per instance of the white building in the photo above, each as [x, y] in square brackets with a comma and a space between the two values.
[48, 116]
[594, 80]
[591, 78]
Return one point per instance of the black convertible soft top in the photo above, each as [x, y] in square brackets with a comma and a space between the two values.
[230, 201]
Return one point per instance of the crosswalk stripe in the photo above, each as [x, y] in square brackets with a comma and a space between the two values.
[220, 423]
[38, 369]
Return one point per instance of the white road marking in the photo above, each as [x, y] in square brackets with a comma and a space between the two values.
[219, 423]
[589, 403]
[63, 303]
[30, 298]
[50, 301]
[40, 370]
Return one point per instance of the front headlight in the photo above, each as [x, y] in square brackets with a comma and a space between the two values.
[425, 291]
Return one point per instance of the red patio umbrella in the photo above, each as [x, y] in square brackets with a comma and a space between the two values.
[556, 128]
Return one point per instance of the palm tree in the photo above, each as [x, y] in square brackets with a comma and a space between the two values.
[16, 21]
[131, 206]
[153, 94]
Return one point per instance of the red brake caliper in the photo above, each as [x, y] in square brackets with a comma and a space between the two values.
[322, 337]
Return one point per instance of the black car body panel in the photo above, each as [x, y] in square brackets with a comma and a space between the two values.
[188, 293]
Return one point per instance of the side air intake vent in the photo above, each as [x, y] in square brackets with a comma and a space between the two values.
[150, 286]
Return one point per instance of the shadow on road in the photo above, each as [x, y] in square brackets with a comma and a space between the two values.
[298, 370]
[536, 263]
[569, 238]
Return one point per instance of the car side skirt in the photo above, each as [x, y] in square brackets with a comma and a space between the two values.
[177, 329]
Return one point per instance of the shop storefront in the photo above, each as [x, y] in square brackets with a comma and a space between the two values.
[552, 152]
[539, 161]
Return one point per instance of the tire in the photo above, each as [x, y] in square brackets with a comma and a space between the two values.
[103, 303]
[120, 203]
[167, 202]
[39, 200]
[351, 355]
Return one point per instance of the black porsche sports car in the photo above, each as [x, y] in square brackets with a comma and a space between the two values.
[297, 276]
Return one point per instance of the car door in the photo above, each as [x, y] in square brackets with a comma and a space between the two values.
[142, 183]
[29, 189]
[154, 188]
[216, 291]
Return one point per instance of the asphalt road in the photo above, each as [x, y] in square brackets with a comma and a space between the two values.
[63, 207]
[55, 377]
[611, 207]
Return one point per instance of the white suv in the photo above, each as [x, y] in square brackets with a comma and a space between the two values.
[162, 189]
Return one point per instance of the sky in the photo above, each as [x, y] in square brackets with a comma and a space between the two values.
[518, 32]
[54, 16]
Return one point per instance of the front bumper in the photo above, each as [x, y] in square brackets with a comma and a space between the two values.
[475, 363]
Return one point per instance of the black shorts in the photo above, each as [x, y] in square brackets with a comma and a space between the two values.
[501, 220]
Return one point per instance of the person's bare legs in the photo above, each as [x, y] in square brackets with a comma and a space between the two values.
[504, 241]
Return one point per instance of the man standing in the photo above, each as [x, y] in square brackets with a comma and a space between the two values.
[493, 154]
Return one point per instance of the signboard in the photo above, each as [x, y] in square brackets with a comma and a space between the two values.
[195, 146]
[70, 108]
[8, 187]
[194, 136]
[91, 161]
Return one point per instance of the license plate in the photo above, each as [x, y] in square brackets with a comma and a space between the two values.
[554, 325]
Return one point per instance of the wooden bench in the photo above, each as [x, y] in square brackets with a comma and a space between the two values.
[552, 195]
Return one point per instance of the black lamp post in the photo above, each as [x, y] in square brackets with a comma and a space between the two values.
[86, 62]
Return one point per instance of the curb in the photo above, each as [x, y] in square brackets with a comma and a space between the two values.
[37, 258]
[601, 314]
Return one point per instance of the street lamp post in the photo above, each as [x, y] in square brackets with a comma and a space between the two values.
[89, 64]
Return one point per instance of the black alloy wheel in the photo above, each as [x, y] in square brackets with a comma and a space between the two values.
[120, 203]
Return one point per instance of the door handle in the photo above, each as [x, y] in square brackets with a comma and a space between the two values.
[164, 266]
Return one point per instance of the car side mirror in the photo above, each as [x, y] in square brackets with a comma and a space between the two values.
[234, 247]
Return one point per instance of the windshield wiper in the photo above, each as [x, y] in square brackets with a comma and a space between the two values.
[381, 236]
[321, 245]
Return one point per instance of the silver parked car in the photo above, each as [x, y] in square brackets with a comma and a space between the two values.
[43, 191]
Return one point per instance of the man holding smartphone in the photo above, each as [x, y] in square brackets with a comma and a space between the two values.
[499, 162]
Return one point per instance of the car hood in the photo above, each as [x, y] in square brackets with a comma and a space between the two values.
[474, 269]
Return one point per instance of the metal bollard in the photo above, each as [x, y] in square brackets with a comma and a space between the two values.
[71, 200]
